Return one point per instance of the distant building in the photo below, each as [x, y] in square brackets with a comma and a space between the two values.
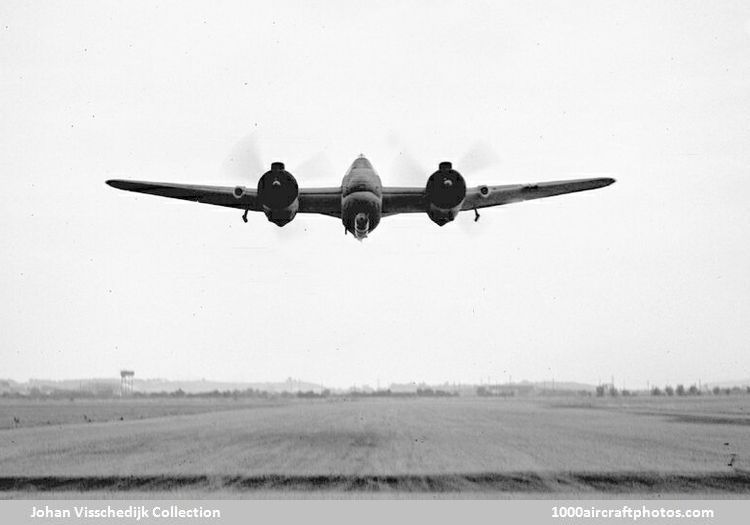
[405, 388]
[295, 386]
[506, 390]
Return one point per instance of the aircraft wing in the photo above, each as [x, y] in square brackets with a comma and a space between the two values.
[484, 196]
[403, 200]
[326, 201]
[414, 200]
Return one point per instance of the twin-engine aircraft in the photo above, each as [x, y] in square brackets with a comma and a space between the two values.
[361, 200]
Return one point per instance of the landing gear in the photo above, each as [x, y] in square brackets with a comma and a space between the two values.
[244, 216]
[476, 215]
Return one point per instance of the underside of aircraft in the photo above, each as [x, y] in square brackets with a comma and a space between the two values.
[361, 200]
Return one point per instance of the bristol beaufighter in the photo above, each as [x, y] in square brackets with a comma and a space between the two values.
[361, 200]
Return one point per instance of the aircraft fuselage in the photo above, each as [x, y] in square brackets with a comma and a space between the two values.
[361, 198]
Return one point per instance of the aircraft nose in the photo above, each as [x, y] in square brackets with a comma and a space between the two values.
[361, 221]
[362, 162]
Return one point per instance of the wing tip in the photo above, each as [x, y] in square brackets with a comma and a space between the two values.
[122, 184]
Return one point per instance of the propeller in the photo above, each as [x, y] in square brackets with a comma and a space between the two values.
[244, 159]
[479, 157]
[408, 171]
[316, 168]
[245, 163]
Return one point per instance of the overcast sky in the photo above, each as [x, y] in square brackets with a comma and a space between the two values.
[645, 280]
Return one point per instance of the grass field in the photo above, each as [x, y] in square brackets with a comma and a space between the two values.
[38, 412]
[376, 446]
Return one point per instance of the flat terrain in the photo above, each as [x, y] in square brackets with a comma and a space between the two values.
[16, 413]
[429, 446]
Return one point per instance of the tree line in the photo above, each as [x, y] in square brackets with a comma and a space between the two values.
[669, 390]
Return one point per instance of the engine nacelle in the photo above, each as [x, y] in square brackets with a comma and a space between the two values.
[278, 194]
[445, 192]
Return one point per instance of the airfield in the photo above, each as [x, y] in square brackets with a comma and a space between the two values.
[376, 447]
